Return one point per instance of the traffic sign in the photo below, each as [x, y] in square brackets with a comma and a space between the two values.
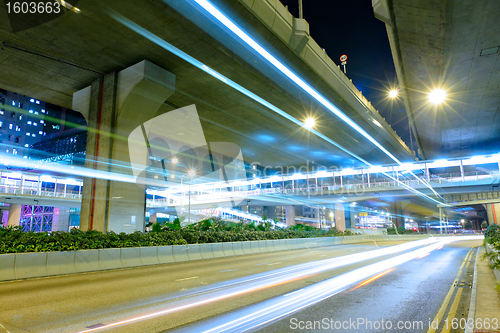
[343, 57]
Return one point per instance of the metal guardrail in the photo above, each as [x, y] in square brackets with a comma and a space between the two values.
[29, 191]
[275, 188]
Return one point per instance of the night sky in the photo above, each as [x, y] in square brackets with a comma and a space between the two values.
[350, 27]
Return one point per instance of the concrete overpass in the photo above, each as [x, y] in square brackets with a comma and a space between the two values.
[126, 62]
[391, 187]
[453, 46]
[93, 47]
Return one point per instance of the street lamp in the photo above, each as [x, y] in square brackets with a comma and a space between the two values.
[175, 160]
[393, 93]
[437, 96]
[309, 123]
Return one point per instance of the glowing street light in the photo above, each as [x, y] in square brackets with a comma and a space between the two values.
[175, 161]
[437, 96]
[309, 123]
[192, 173]
[393, 93]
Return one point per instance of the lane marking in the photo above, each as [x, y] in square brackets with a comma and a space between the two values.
[189, 278]
[453, 311]
[228, 270]
[264, 263]
[275, 263]
[447, 299]
[473, 298]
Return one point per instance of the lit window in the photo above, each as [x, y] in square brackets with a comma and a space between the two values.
[20, 117]
[10, 126]
[40, 132]
[31, 111]
[18, 128]
[1, 123]
[14, 151]
[36, 112]
[37, 102]
[29, 122]
[26, 145]
[13, 103]
[32, 100]
[25, 156]
[1, 112]
[6, 150]
[41, 121]
[44, 134]
[35, 124]
[43, 111]
[33, 135]
[28, 134]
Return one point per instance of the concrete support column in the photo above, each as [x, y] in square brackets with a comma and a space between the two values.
[60, 219]
[14, 214]
[493, 213]
[290, 216]
[349, 213]
[270, 211]
[396, 211]
[340, 217]
[114, 106]
[152, 218]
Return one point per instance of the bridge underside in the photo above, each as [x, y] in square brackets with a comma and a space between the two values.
[454, 46]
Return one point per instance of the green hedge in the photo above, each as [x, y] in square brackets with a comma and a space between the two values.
[492, 236]
[14, 240]
[401, 231]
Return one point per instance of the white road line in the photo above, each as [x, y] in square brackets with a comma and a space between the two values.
[189, 278]
[228, 270]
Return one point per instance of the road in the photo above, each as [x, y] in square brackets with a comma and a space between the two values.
[203, 295]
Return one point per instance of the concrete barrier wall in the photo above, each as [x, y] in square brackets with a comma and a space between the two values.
[29, 265]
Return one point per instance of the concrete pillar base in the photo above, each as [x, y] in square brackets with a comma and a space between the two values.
[340, 217]
[290, 216]
[14, 215]
[114, 106]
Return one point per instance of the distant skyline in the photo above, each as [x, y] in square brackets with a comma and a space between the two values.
[351, 28]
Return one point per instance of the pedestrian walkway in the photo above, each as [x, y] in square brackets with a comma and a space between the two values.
[487, 297]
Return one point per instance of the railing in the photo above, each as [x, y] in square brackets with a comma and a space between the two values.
[36, 192]
[288, 187]
[320, 189]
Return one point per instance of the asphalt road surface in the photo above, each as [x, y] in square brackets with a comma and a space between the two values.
[274, 292]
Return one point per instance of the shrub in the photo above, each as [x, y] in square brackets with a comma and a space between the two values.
[14, 240]
[401, 231]
[492, 236]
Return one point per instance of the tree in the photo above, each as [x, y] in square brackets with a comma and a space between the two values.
[484, 225]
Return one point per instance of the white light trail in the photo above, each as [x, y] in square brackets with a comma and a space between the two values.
[284, 275]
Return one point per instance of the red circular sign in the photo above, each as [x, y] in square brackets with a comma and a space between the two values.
[343, 57]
